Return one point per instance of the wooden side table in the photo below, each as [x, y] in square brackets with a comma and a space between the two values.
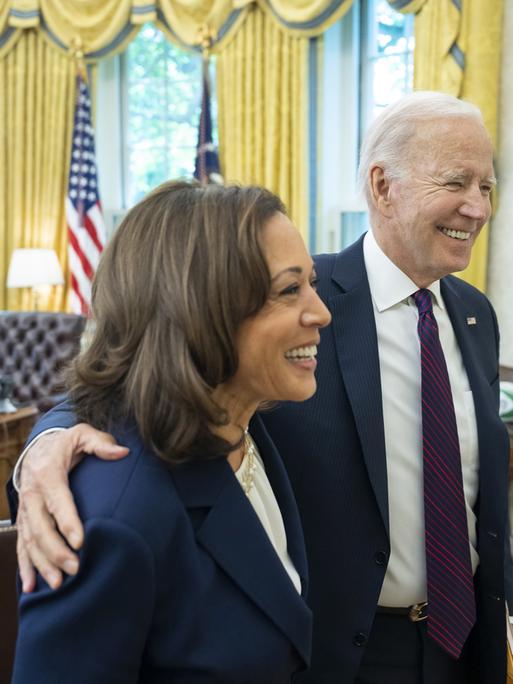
[14, 430]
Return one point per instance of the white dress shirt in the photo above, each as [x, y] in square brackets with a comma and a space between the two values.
[396, 317]
[261, 497]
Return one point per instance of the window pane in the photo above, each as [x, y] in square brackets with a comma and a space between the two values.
[388, 57]
[163, 95]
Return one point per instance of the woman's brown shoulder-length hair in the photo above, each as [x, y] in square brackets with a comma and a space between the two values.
[182, 272]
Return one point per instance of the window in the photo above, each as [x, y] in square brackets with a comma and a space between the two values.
[369, 52]
[386, 58]
[148, 108]
[162, 87]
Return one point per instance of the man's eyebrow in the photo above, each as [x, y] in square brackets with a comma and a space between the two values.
[464, 175]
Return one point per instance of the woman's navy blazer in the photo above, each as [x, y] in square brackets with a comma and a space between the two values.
[178, 581]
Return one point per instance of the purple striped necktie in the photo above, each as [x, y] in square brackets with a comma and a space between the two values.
[450, 586]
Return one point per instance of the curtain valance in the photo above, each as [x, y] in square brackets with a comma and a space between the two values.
[406, 6]
[101, 27]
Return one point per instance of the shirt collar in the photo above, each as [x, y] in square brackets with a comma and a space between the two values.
[388, 284]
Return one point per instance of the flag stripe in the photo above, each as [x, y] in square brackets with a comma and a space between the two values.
[86, 227]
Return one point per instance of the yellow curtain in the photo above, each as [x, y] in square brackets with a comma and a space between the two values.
[262, 48]
[458, 51]
[36, 110]
[100, 24]
[262, 101]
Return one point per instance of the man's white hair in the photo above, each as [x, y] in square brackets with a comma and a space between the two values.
[386, 141]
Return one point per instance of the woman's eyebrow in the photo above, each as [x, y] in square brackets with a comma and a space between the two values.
[292, 269]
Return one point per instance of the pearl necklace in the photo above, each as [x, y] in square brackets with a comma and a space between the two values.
[248, 476]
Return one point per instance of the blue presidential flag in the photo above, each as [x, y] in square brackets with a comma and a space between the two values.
[207, 161]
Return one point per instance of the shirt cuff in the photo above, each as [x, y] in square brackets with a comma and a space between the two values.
[17, 468]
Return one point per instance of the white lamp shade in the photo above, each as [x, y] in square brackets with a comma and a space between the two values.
[34, 267]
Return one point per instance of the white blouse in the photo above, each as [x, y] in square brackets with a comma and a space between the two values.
[261, 497]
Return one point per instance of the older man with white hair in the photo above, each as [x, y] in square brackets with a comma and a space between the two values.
[399, 462]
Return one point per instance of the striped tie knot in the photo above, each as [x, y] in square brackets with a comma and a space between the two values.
[423, 301]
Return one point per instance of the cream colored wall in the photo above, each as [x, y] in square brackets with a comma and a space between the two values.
[500, 272]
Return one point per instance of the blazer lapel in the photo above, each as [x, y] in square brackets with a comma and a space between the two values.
[486, 409]
[282, 489]
[459, 312]
[233, 535]
[356, 343]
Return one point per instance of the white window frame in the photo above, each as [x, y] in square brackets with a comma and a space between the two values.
[110, 154]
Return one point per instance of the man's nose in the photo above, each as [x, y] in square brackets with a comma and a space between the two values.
[476, 205]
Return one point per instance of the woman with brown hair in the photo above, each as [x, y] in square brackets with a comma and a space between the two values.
[193, 566]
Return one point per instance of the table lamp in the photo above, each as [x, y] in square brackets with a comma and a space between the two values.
[35, 268]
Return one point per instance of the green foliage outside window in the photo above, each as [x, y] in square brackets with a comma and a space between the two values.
[163, 96]
[391, 54]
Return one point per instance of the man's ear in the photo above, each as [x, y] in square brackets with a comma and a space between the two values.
[380, 191]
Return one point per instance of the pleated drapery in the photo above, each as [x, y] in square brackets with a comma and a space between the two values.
[501, 235]
[262, 99]
[263, 90]
[36, 110]
[103, 25]
[261, 52]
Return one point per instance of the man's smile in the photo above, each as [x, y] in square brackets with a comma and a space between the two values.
[456, 234]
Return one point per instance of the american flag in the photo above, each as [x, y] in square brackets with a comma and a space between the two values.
[86, 228]
[207, 161]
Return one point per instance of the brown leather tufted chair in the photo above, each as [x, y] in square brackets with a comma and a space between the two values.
[34, 348]
[8, 599]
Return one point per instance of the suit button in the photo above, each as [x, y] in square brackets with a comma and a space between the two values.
[495, 597]
[380, 558]
[360, 639]
[493, 534]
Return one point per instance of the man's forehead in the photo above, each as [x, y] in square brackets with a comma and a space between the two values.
[453, 142]
[451, 131]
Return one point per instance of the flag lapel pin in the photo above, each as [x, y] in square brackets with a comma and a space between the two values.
[471, 320]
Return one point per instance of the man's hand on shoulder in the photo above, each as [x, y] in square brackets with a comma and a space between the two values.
[47, 517]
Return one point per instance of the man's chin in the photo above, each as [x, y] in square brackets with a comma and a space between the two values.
[458, 262]
[460, 266]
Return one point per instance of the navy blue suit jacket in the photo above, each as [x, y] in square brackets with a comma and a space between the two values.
[333, 446]
[178, 581]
